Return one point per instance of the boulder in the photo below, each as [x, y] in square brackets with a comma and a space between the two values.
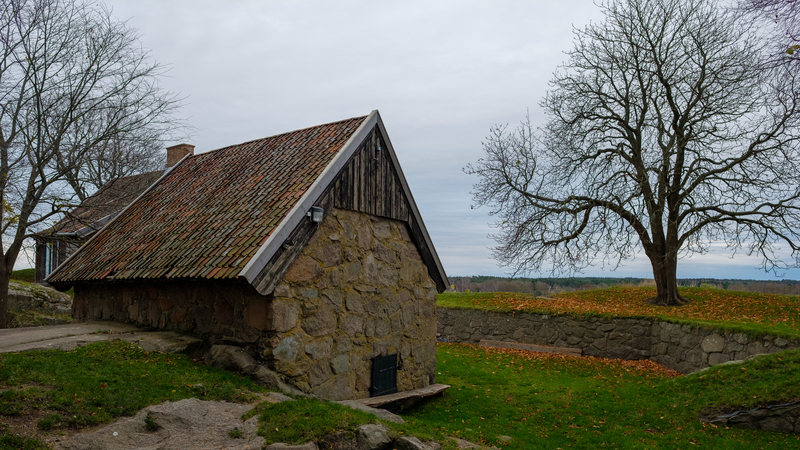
[230, 358]
[34, 297]
[374, 436]
[189, 423]
[413, 443]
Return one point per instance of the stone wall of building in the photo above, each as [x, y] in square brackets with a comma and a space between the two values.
[683, 348]
[357, 291]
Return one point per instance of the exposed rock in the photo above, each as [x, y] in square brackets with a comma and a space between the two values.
[190, 423]
[236, 359]
[34, 297]
[784, 418]
[341, 441]
[304, 269]
[230, 358]
[319, 348]
[461, 443]
[409, 443]
[283, 314]
[267, 378]
[280, 446]
[168, 342]
[374, 436]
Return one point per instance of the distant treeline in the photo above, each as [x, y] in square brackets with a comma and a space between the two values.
[549, 286]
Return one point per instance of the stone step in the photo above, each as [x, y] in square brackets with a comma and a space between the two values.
[531, 347]
[377, 402]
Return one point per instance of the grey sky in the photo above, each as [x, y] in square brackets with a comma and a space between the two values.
[440, 73]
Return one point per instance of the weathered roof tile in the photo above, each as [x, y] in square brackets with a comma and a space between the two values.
[212, 212]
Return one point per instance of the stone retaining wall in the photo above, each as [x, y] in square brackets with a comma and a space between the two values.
[682, 348]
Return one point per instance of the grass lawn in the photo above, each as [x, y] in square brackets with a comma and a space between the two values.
[748, 312]
[555, 401]
[537, 400]
[26, 275]
[47, 394]
[55, 392]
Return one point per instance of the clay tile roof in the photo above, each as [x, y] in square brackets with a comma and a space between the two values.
[209, 215]
[107, 202]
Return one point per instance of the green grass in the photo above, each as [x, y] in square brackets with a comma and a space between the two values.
[26, 275]
[309, 419]
[563, 402]
[539, 400]
[306, 420]
[12, 442]
[19, 319]
[100, 382]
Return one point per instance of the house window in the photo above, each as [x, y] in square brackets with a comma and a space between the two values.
[50, 258]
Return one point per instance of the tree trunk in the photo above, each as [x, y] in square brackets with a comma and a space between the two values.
[665, 273]
[4, 280]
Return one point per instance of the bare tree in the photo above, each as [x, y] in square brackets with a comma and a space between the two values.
[784, 13]
[670, 128]
[73, 81]
[119, 156]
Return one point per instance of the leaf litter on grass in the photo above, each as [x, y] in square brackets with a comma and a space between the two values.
[705, 304]
[545, 400]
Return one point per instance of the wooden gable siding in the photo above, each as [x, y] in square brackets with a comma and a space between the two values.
[368, 183]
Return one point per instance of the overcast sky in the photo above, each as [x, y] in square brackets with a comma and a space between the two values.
[441, 73]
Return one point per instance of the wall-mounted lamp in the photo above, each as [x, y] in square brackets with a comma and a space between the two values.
[315, 214]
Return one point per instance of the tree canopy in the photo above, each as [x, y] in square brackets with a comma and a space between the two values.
[670, 127]
[75, 86]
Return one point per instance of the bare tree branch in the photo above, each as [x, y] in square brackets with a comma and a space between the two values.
[80, 105]
[672, 126]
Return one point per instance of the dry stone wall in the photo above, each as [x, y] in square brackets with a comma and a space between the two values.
[683, 348]
[358, 290]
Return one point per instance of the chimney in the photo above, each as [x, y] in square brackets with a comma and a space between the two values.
[176, 152]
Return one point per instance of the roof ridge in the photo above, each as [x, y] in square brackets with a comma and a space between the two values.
[280, 134]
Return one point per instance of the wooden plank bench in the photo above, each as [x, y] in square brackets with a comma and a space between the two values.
[531, 347]
[405, 396]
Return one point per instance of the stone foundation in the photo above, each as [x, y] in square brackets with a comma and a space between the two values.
[358, 290]
[682, 348]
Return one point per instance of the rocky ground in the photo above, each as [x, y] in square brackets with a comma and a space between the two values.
[200, 425]
[36, 305]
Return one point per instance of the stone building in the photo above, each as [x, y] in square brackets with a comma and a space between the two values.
[307, 246]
